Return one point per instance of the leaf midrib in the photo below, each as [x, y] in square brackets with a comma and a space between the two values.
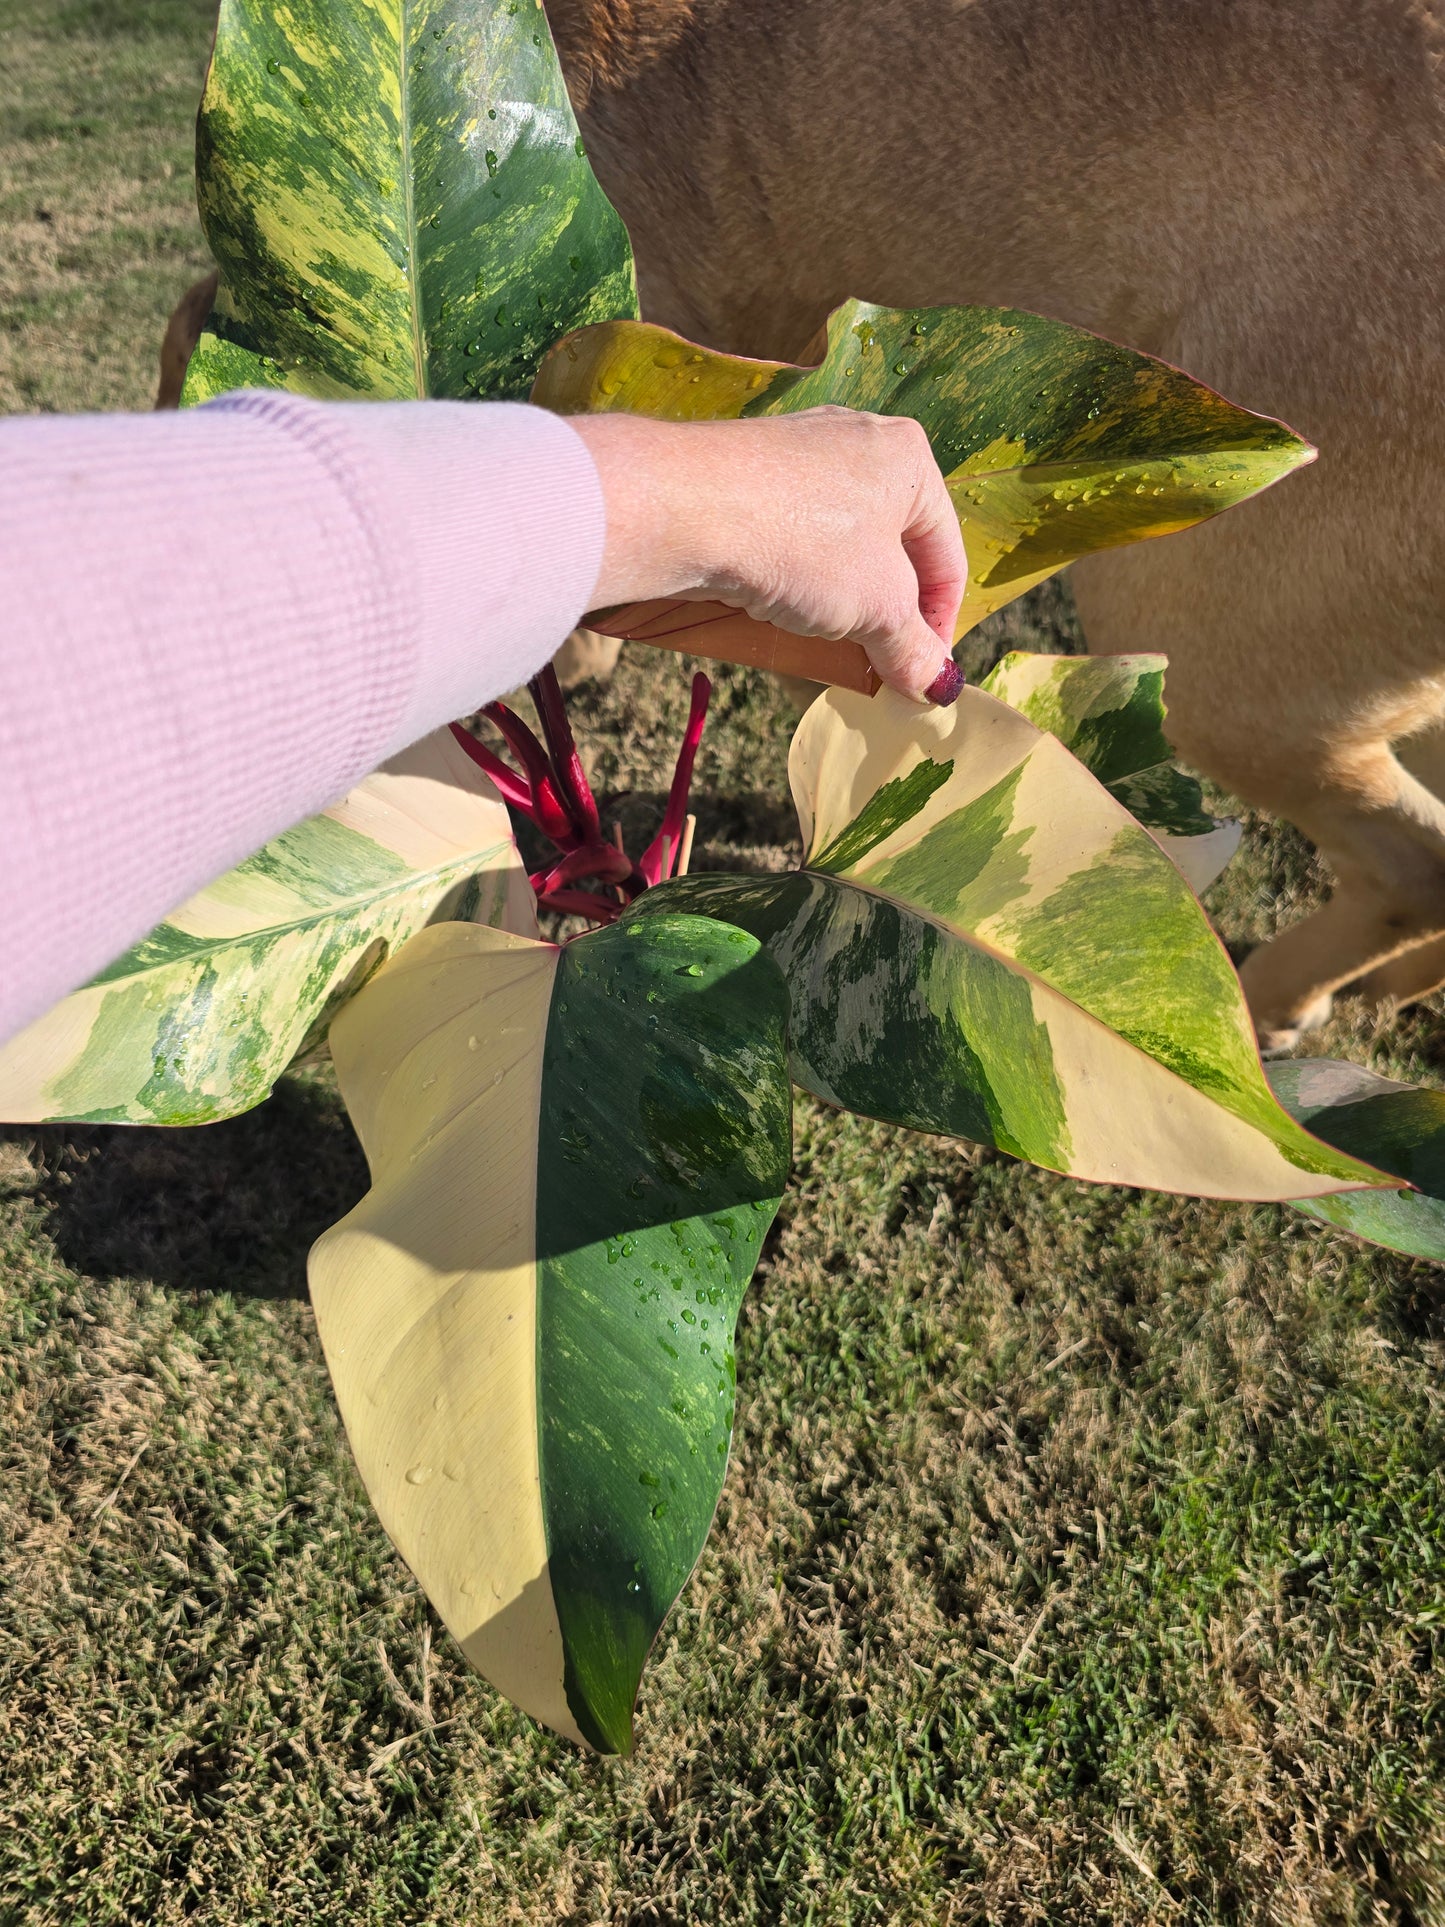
[1064, 468]
[413, 272]
[470, 864]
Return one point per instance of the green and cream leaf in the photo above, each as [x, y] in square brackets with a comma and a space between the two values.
[1398, 1127]
[1109, 711]
[200, 1018]
[396, 194]
[983, 942]
[575, 1153]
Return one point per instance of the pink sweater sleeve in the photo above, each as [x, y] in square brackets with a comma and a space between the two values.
[213, 623]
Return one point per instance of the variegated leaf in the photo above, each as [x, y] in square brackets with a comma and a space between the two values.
[1109, 710]
[575, 1153]
[397, 197]
[983, 942]
[199, 1019]
[1055, 442]
[1398, 1127]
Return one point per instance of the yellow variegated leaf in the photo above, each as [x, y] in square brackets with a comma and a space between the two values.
[982, 941]
[199, 1019]
[1398, 1126]
[398, 200]
[1055, 442]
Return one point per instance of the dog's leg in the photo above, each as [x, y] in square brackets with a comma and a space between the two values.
[1420, 969]
[1383, 834]
[183, 331]
[586, 656]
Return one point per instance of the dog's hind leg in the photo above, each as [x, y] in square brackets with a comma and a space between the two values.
[1420, 969]
[1382, 832]
[1282, 688]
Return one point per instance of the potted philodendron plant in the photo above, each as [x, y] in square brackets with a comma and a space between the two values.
[576, 1148]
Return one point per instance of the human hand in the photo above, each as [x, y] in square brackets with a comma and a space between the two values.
[829, 523]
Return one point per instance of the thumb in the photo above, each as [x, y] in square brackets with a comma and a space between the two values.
[914, 662]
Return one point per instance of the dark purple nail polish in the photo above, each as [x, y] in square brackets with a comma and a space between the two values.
[946, 685]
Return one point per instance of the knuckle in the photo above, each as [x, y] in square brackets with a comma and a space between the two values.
[909, 445]
[896, 611]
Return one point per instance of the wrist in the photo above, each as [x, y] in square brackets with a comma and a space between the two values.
[666, 498]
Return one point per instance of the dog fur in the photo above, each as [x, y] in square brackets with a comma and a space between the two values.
[1251, 189]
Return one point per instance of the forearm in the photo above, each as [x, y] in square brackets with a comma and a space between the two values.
[215, 623]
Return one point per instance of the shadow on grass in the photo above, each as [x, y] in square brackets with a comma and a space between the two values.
[221, 1207]
[1412, 1305]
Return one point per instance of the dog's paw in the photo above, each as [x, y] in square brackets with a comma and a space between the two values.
[1278, 1035]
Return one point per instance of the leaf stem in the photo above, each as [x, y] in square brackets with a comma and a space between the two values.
[556, 796]
[659, 860]
[581, 903]
[548, 810]
[572, 778]
[598, 860]
[513, 788]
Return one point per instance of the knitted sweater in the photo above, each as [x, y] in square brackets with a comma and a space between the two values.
[213, 623]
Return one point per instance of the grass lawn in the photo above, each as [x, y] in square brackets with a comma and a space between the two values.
[1082, 1556]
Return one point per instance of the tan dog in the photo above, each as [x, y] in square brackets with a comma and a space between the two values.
[1252, 189]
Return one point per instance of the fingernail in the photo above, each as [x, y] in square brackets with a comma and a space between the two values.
[946, 685]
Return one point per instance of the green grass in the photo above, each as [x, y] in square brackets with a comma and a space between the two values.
[1082, 1557]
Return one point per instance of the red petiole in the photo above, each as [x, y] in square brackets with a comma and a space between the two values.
[553, 792]
[659, 859]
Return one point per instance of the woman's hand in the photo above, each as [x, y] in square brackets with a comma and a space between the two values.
[829, 523]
